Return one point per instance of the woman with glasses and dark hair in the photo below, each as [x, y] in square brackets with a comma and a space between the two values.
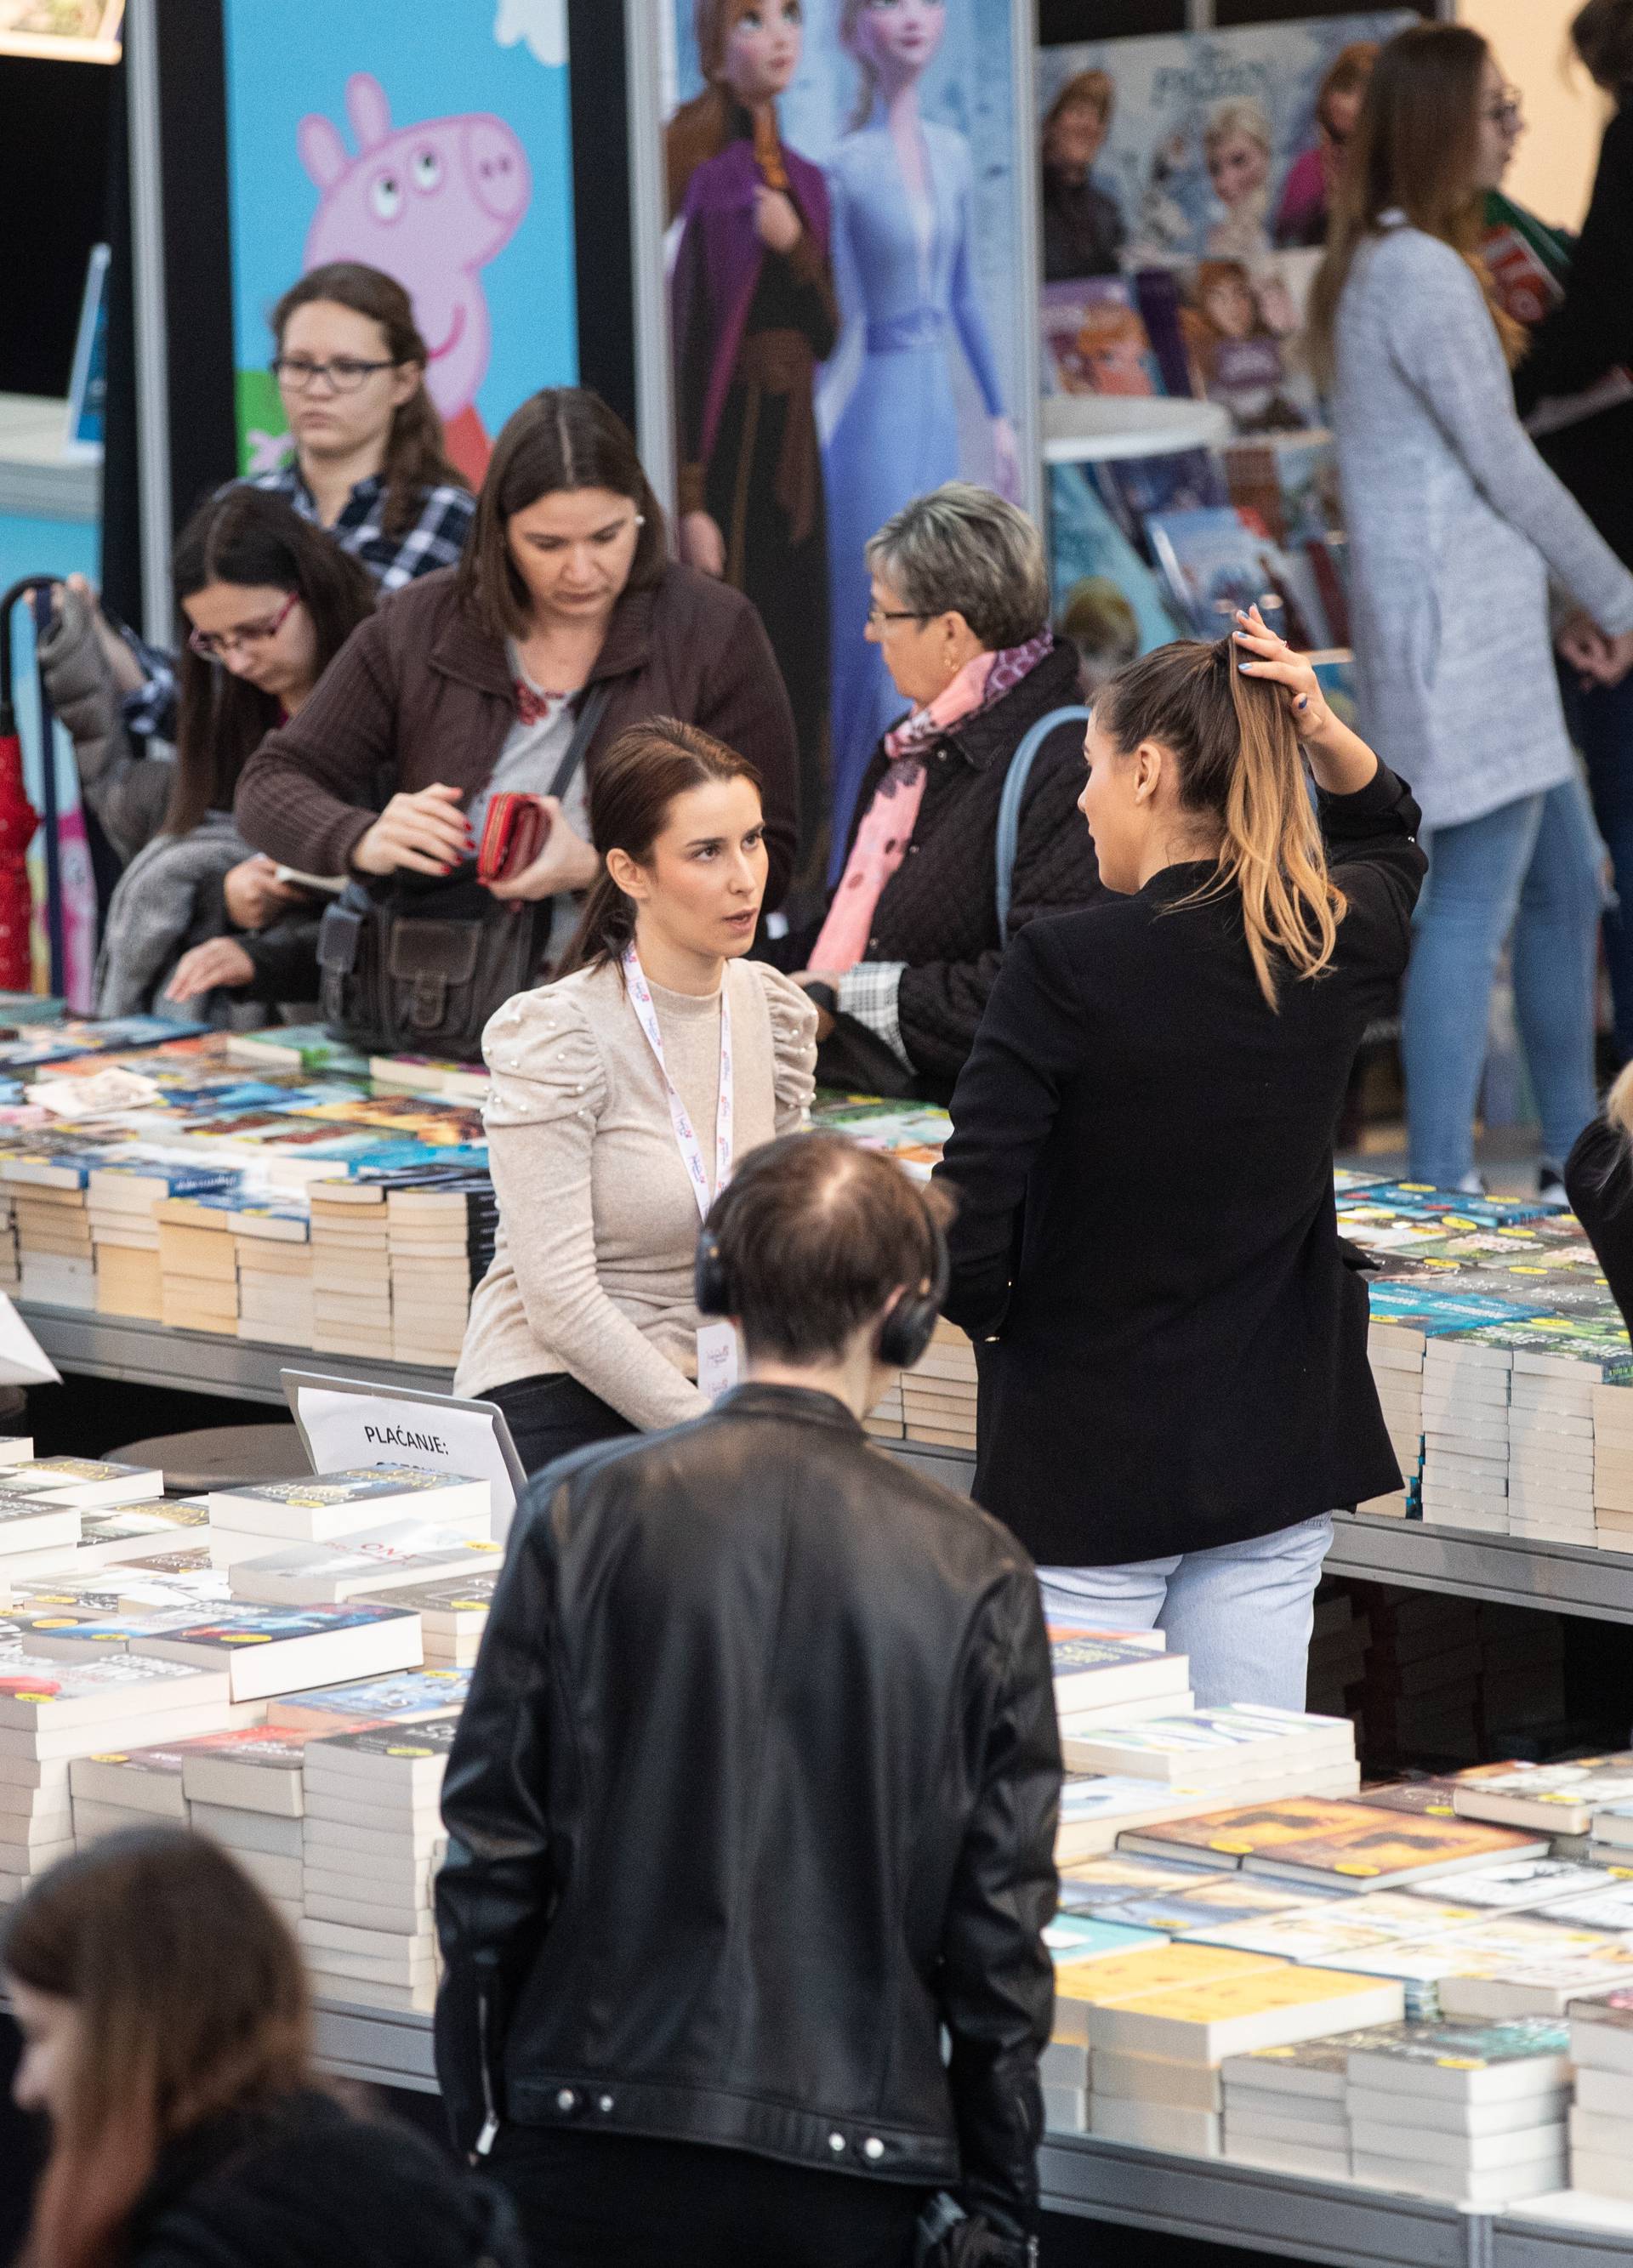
[565, 623]
[935, 884]
[198, 920]
[368, 461]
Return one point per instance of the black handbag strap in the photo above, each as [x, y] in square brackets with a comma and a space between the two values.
[591, 710]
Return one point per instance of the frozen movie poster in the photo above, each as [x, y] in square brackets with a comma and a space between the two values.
[850, 322]
[445, 162]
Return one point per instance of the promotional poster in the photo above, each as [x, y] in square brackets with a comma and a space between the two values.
[849, 316]
[447, 163]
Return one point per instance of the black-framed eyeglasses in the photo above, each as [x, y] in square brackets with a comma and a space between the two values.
[879, 614]
[1506, 112]
[344, 372]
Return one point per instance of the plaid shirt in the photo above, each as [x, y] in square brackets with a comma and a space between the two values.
[435, 538]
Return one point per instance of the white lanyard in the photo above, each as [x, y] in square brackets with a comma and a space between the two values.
[685, 1139]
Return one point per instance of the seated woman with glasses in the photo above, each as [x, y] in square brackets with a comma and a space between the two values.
[368, 462]
[901, 967]
[565, 623]
[199, 922]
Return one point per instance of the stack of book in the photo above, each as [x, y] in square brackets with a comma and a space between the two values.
[121, 1198]
[1610, 1842]
[1560, 1372]
[939, 1393]
[378, 1564]
[1195, 2026]
[52, 1712]
[1613, 1465]
[1100, 1682]
[373, 1838]
[350, 1270]
[452, 1615]
[261, 1521]
[272, 1245]
[198, 1266]
[1465, 1396]
[247, 1790]
[132, 1787]
[1283, 2107]
[441, 1243]
[57, 1260]
[1229, 1753]
[1396, 1350]
[1321, 1843]
[1423, 1683]
[1474, 2115]
[404, 1699]
[1601, 2118]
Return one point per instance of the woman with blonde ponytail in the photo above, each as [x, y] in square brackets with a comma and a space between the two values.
[1175, 1390]
[1456, 530]
[622, 1096]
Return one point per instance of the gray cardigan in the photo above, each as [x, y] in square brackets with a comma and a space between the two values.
[1455, 524]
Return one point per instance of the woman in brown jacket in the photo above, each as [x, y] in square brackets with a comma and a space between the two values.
[565, 622]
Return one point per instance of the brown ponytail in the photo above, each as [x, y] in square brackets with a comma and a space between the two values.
[1240, 766]
[631, 790]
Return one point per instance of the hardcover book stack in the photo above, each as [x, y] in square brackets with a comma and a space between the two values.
[939, 1393]
[351, 1271]
[1601, 2117]
[1472, 2114]
[372, 1841]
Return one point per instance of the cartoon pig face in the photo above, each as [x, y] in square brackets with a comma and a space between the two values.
[430, 205]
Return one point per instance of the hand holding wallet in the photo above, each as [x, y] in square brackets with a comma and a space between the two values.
[514, 832]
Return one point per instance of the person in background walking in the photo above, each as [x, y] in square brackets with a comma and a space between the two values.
[1174, 1386]
[167, 2037]
[1455, 524]
[1577, 363]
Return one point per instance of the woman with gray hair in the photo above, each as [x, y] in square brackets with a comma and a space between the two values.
[901, 966]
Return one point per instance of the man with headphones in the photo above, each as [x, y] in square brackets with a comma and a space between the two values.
[752, 1806]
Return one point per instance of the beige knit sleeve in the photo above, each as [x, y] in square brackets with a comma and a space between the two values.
[549, 1086]
[793, 1045]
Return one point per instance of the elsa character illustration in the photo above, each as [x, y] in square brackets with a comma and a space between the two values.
[754, 317]
[902, 192]
[1237, 146]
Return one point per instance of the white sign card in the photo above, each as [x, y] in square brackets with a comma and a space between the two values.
[344, 1426]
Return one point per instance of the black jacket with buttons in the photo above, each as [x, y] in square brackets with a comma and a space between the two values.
[939, 910]
[755, 1795]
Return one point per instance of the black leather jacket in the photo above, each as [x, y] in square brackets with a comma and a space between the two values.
[755, 1791]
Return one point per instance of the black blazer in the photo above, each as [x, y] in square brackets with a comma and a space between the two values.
[752, 1801]
[1173, 1353]
[1598, 1181]
[1588, 335]
[938, 912]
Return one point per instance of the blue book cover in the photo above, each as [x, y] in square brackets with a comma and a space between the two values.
[1076, 1937]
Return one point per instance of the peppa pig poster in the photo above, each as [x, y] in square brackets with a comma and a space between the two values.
[444, 160]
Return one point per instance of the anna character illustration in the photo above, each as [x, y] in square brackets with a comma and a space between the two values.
[754, 314]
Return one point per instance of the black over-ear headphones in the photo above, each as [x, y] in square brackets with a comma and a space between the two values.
[905, 1335]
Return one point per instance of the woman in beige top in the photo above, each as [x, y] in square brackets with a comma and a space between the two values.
[623, 1095]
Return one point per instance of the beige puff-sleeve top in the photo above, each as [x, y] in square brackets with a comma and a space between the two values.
[592, 1270]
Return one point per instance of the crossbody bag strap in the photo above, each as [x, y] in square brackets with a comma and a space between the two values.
[1010, 805]
[592, 709]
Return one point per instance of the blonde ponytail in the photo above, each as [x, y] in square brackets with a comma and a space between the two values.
[1272, 850]
[1241, 769]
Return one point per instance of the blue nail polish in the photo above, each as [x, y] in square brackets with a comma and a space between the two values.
[1247, 668]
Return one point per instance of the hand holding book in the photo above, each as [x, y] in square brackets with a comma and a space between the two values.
[1342, 762]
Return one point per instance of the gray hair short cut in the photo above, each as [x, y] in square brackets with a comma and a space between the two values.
[964, 550]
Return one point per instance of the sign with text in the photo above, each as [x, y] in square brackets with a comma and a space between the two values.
[344, 1426]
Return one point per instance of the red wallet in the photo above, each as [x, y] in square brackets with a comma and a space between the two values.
[514, 832]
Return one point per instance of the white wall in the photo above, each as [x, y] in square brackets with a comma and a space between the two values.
[1553, 173]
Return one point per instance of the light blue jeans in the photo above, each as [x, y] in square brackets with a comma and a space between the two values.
[1243, 1612]
[1534, 868]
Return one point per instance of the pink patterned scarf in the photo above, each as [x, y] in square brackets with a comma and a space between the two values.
[887, 826]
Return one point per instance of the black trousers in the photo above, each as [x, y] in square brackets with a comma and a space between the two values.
[552, 1416]
[588, 2200]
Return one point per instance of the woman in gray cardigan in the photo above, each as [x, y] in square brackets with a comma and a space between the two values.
[1456, 527]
